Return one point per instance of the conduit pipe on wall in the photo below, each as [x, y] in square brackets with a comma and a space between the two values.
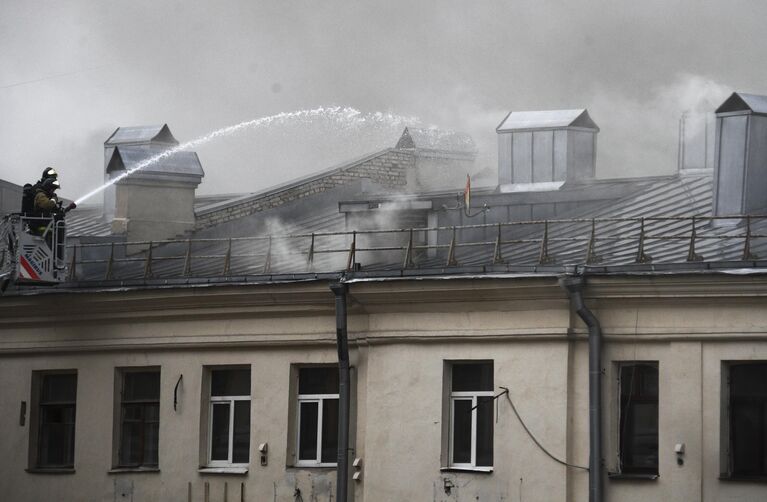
[574, 286]
[344, 393]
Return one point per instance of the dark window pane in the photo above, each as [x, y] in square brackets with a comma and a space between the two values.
[141, 386]
[747, 426]
[234, 382]
[485, 417]
[151, 440]
[318, 380]
[307, 431]
[59, 388]
[130, 444]
[472, 376]
[241, 439]
[639, 418]
[330, 431]
[133, 412]
[57, 436]
[151, 412]
[219, 437]
[462, 431]
[748, 381]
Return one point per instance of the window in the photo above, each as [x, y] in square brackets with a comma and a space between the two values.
[471, 415]
[747, 420]
[229, 417]
[139, 418]
[638, 418]
[57, 396]
[317, 413]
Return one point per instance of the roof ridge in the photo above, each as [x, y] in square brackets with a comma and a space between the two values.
[282, 187]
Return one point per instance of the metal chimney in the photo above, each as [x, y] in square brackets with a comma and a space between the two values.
[546, 148]
[740, 174]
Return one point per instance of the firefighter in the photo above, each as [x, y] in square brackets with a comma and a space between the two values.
[30, 191]
[47, 206]
[46, 202]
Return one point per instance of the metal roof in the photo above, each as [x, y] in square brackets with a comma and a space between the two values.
[182, 163]
[141, 134]
[650, 229]
[87, 221]
[739, 101]
[436, 139]
[549, 119]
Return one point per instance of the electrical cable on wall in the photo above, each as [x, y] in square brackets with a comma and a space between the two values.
[514, 409]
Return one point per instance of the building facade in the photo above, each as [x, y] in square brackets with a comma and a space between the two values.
[205, 368]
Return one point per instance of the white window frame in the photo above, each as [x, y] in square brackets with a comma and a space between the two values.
[465, 396]
[319, 399]
[214, 400]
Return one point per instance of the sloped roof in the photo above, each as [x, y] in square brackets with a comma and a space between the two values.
[87, 221]
[436, 139]
[548, 119]
[664, 208]
[739, 101]
[141, 135]
[180, 163]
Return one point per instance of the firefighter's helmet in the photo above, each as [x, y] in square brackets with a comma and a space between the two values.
[49, 172]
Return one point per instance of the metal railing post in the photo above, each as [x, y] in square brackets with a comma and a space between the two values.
[642, 257]
[352, 252]
[408, 262]
[747, 254]
[188, 260]
[591, 255]
[544, 257]
[497, 252]
[451, 261]
[110, 263]
[268, 260]
[691, 254]
[310, 258]
[148, 264]
[228, 259]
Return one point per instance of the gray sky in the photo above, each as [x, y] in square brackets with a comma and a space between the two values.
[73, 71]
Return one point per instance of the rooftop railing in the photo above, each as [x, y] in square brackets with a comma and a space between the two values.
[574, 241]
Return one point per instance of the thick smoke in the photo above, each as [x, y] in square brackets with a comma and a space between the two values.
[640, 137]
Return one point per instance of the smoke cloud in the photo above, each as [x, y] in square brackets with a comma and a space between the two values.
[74, 71]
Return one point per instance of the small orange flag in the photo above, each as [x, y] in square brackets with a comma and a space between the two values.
[467, 195]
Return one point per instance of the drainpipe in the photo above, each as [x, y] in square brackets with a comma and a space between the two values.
[574, 287]
[342, 342]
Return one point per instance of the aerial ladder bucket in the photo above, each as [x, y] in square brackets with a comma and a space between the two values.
[32, 250]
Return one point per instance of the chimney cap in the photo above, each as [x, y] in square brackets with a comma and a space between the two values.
[138, 135]
[436, 139]
[180, 163]
[546, 119]
[742, 102]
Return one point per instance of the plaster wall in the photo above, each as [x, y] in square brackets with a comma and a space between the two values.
[149, 211]
[401, 335]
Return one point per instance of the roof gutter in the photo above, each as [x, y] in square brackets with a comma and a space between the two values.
[574, 286]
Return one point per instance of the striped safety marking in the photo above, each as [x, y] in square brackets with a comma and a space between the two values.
[26, 267]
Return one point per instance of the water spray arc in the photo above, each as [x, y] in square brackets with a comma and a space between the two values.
[346, 116]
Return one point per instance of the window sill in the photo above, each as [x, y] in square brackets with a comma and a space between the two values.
[223, 470]
[329, 467]
[478, 470]
[52, 470]
[622, 476]
[132, 470]
[743, 479]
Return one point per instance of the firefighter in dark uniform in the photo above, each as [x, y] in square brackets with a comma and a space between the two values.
[47, 205]
[30, 191]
